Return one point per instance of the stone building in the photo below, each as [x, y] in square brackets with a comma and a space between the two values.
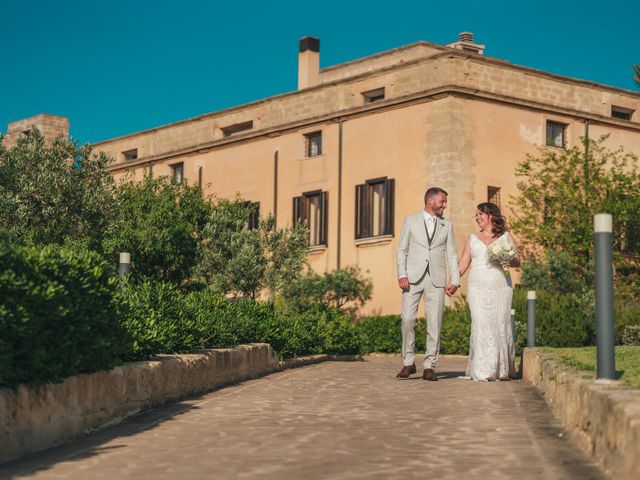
[354, 148]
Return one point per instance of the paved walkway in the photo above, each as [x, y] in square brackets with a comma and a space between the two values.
[337, 420]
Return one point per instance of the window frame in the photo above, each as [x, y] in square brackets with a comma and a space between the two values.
[364, 211]
[373, 96]
[621, 113]
[496, 193]
[130, 155]
[307, 143]
[301, 213]
[564, 126]
[253, 222]
[175, 167]
[237, 128]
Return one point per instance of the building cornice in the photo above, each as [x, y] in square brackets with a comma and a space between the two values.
[390, 104]
[447, 52]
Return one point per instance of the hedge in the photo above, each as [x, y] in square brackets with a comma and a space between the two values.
[382, 333]
[562, 320]
[58, 314]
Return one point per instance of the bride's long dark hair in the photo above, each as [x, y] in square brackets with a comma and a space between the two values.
[498, 221]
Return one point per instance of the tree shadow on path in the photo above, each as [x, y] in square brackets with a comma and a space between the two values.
[92, 444]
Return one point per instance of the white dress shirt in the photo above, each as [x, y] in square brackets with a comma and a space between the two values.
[430, 222]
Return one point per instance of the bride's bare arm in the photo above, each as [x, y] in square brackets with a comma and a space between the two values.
[465, 259]
[515, 261]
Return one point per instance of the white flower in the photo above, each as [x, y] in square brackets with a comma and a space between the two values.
[501, 252]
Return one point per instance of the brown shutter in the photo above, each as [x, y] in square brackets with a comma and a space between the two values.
[298, 209]
[324, 217]
[367, 211]
[389, 205]
[360, 205]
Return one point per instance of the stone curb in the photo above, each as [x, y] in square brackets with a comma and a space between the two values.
[604, 419]
[34, 418]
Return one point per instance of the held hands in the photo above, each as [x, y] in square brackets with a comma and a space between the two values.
[451, 289]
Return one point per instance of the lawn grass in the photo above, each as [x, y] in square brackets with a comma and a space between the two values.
[627, 361]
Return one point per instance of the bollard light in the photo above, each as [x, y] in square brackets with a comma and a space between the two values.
[605, 324]
[531, 318]
[124, 264]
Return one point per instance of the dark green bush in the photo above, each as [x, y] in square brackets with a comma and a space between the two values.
[58, 314]
[562, 319]
[159, 319]
[382, 333]
[224, 322]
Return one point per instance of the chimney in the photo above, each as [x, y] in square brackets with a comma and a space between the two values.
[465, 42]
[309, 62]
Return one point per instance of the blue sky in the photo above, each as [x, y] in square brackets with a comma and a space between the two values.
[117, 67]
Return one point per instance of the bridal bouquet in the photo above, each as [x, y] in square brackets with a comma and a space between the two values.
[501, 252]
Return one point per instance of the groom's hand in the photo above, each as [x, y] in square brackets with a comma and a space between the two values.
[451, 289]
[403, 282]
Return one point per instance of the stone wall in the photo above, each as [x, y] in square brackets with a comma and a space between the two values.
[604, 419]
[35, 418]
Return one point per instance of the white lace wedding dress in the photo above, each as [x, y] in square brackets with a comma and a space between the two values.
[491, 347]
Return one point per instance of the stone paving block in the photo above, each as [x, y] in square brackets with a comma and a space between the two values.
[335, 420]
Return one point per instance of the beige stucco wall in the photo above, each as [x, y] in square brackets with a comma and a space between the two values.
[451, 119]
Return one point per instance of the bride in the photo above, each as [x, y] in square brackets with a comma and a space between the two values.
[491, 347]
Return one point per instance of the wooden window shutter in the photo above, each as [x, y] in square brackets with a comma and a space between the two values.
[298, 210]
[389, 204]
[324, 217]
[361, 191]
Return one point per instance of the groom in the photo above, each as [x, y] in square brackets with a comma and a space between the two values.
[426, 240]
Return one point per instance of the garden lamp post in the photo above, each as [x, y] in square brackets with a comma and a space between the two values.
[605, 326]
[531, 318]
[124, 265]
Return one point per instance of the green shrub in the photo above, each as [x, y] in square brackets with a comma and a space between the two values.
[224, 322]
[58, 314]
[562, 319]
[380, 334]
[159, 319]
[339, 333]
[383, 334]
[631, 335]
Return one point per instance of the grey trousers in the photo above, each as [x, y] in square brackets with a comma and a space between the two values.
[434, 310]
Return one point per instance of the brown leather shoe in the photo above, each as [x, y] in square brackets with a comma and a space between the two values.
[406, 371]
[430, 375]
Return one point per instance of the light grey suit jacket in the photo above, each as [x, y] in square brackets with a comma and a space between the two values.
[414, 254]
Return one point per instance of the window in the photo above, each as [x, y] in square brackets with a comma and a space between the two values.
[621, 113]
[312, 209]
[374, 208]
[148, 171]
[237, 128]
[373, 95]
[254, 215]
[493, 195]
[130, 155]
[313, 144]
[200, 177]
[177, 173]
[556, 134]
